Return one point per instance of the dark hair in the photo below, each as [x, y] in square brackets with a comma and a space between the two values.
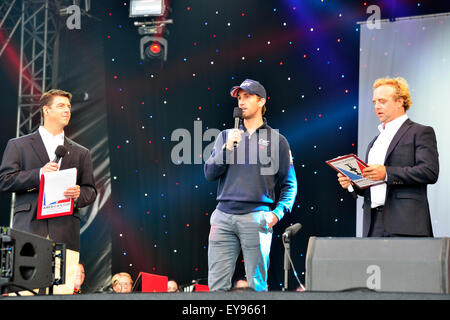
[47, 98]
[264, 108]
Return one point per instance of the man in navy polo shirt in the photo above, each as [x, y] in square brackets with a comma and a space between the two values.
[250, 164]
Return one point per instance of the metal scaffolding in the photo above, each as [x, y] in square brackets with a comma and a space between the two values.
[37, 24]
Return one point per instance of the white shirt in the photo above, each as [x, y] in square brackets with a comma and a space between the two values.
[377, 155]
[51, 142]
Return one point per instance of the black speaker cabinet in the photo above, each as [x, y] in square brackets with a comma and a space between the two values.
[419, 265]
[26, 261]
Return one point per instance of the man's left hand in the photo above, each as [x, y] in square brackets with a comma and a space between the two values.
[375, 172]
[72, 192]
[271, 219]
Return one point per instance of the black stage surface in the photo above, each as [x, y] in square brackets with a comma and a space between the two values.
[231, 305]
[243, 295]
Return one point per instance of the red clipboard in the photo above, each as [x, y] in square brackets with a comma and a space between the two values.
[352, 166]
[63, 207]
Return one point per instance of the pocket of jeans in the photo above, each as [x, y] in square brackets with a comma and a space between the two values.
[263, 221]
[212, 219]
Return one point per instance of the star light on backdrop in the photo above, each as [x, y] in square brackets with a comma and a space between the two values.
[218, 39]
[305, 54]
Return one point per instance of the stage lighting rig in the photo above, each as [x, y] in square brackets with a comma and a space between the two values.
[147, 8]
[153, 43]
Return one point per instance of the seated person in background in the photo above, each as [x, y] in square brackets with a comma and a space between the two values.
[79, 279]
[172, 286]
[122, 282]
[241, 283]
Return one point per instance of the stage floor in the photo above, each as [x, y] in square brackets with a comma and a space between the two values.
[242, 296]
[234, 305]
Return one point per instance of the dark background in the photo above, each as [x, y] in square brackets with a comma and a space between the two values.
[305, 53]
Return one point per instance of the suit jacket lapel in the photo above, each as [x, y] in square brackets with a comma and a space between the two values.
[404, 127]
[65, 162]
[38, 146]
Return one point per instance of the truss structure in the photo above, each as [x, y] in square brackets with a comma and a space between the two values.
[36, 23]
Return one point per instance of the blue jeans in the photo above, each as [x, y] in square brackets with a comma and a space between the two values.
[228, 235]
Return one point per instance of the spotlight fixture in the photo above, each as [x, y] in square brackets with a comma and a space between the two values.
[147, 8]
[153, 42]
[153, 48]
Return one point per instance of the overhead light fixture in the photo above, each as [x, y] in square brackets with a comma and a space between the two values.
[147, 8]
[153, 48]
[152, 16]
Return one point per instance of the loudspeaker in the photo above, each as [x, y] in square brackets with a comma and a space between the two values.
[26, 261]
[381, 264]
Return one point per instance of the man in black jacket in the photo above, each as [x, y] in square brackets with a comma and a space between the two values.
[27, 157]
[404, 155]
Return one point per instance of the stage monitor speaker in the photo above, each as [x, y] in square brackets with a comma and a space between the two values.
[419, 265]
[26, 261]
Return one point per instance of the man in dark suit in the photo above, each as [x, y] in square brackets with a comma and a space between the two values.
[27, 157]
[404, 155]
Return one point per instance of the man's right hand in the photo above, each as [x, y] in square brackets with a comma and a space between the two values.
[234, 135]
[49, 167]
[344, 181]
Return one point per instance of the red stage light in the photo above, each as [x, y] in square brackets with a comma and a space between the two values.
[155, 48]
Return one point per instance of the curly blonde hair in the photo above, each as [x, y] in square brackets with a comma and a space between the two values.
[401, 89]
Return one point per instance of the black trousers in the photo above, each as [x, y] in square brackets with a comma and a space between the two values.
[377, 225]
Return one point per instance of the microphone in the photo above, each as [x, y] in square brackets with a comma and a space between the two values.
[289, 232]
[352, 192]
[237, 115]
[292, 230]
[59, 152]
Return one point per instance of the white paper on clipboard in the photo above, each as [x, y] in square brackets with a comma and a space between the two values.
[56, 182]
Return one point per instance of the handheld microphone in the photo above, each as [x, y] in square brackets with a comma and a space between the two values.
[60, 152]
[292, 230]
[237, 115]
